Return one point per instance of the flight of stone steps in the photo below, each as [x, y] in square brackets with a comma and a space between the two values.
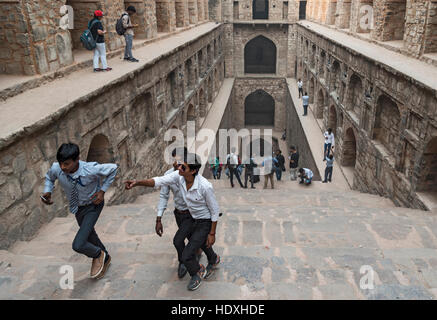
[292, 242]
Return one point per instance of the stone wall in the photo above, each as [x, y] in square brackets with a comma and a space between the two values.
[383, 126]
[296, 137]
[245, 86]
[31, 40]
[276, 10]
[123, 122]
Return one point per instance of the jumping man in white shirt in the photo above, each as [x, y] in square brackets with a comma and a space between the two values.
[198, 194]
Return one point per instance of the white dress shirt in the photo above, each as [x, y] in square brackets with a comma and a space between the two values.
[164, 195]
[308, 173]
[330, 137]
[200, 199]
[233, 158]
[299, 84]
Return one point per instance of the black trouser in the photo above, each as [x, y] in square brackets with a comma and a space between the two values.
[199, 231]
[86, 241]
[247, 174]
[328, 173]
[300, 91]
[233, 171]
[184, 222]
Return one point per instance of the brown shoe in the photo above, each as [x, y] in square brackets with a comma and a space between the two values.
[105, 267]
[97, 265]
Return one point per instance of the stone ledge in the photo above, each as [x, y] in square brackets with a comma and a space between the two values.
[39, 80]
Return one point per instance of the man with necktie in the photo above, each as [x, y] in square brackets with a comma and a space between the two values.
[84, 184]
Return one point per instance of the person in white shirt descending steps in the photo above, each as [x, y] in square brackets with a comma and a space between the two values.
[300, 87]
[198, 194]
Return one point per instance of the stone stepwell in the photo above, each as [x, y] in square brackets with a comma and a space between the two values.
[293, 242]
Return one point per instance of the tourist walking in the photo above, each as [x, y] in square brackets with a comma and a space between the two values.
[182, 215]
[280, 164]
[129, 33]
[294, 162]
[305, 175]
[84, 184]
[96, 27]
[329, 168]
[305, 102]
[329, 143]
[232, 165]
[248, 173]
[199, 196]
[300, 87]
[269, 164]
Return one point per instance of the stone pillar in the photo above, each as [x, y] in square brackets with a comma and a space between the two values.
[431, 28]
[206, 9]
[420, 27]
[342, 19]
[200, 11]
[361, 16]
[32, 40]
[215, 10]
[112, 11]
[166, 15]
[182, 19]
[192, 9]
[388, 20]
[330, 14]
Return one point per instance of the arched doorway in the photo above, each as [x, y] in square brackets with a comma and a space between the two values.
[311, 92]
[354, 96]
[191, 115]
[260, 9]
[259, 109]
[349, 149]
[320, 104]
[142, 116]
[332, 121]
[387, 120]
[335, 77]
[428, 167]
[260, 56]
[100, 150]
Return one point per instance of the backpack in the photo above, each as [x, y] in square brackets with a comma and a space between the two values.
[87, 38]
[119, 25]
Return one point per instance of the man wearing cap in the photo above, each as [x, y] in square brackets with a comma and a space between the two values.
[129, 34]
[96, 28]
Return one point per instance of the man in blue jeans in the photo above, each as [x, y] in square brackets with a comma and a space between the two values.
[84, 184]
[129, 34]
[305, 102]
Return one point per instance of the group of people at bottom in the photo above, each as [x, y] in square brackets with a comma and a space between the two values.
[196, 208]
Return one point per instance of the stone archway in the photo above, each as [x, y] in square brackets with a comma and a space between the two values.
[100, 150]
[335, 77]
[260, 56]
[349, 149]
[354, 96]
[332, 120]
[387, 121]
[320, 105]
[259, 109]
[428, 168]
[311, 91]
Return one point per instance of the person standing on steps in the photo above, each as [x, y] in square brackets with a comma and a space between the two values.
[129, 33]
[269, 164]
[294, 163]
[329, 143]
[280, 164]
[300, 87]
[305, 102]
[198, 194]
[96, 28]
[84, 184]
[182, 215]
[248, 173]
[329, 167]
[232, 164]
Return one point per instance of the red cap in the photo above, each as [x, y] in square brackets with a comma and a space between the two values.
[98, 13]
